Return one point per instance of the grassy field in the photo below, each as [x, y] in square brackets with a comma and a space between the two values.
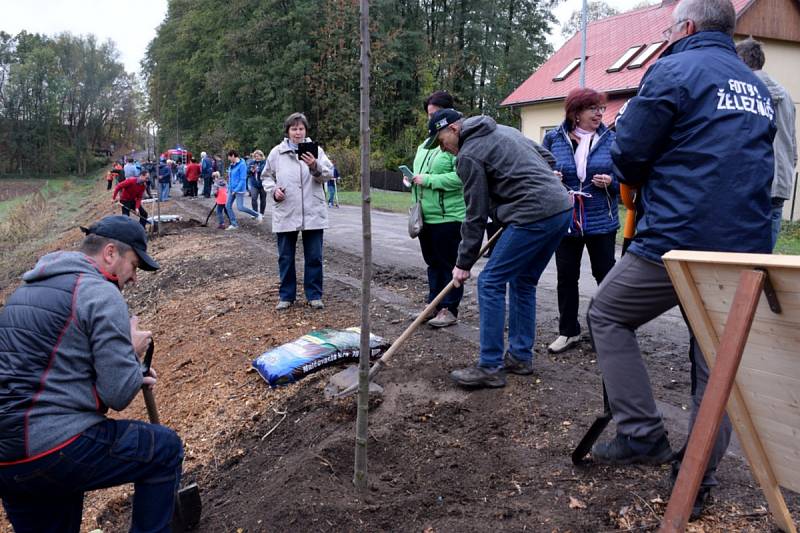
[396, 202]
[789, 239]
[34, 214]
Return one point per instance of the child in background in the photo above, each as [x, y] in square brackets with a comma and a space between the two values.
[220, 192]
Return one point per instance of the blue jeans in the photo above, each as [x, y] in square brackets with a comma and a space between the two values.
[221, 214]
[331, 192]
[163, 191]
[312, 272]
[46, 495]
[519, 258]
[239, 205]
[777, 217]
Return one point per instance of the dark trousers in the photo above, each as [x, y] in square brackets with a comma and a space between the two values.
[439, 244]
[46, 495]
[312, 271]
[207, 186]
[568, 263]
[635, 292]
[221, 214]
[109, 182]
[256, 194]
[192, 188]
[130, 205]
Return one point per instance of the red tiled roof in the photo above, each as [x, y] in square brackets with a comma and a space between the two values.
[606, 41]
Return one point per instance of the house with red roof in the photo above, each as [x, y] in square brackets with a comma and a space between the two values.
[619, 50]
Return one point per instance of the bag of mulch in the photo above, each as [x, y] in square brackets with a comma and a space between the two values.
[318, 349]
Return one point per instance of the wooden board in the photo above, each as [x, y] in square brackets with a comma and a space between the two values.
[764, 404]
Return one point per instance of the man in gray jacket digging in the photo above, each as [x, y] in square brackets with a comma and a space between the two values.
[506, 176]
[68, 353]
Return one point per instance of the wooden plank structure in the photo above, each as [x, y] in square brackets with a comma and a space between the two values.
[752, 346]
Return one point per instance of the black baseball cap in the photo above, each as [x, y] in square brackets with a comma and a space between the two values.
[440, 120]
[128, 231]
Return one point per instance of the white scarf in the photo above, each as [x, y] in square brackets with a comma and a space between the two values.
[582, 153]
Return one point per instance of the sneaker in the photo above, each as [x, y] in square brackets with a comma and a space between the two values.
[259, 219]
[231, 227]
[316, 304]
[512, 365]
[477, 377]
[283, 305]
[443, 319]
[221, 226]
[625, 450]
[563, 343]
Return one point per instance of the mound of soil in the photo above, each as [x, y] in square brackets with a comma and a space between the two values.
[440, 458]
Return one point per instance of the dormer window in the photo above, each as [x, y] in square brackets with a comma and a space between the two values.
[568, 69]
[629, 53]
[646, 54]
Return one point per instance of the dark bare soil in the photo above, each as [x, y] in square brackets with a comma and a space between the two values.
[440, 458]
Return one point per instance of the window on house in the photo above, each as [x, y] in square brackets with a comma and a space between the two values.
[544, 130]
[646, 54]
[568, 69]
[624, 58]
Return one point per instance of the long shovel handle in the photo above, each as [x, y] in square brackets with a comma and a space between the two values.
[147, 392]
[150, 404]
[380, 363]
[213, 207]
[134, 211]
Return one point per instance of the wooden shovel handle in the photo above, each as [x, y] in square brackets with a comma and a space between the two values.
[150, 404]
[423, 315]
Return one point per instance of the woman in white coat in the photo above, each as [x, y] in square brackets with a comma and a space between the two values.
[295, 185]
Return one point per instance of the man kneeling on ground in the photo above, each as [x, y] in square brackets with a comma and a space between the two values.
[68, 353]
[506, 176]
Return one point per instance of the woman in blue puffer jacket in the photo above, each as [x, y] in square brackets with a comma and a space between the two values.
[582, 148]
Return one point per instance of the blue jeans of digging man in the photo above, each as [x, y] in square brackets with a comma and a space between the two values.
[46, 495]
[239, 205]
[312, 271]
[163, 191]
[519, 258]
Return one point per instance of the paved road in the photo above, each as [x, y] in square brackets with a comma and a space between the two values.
[392, 247]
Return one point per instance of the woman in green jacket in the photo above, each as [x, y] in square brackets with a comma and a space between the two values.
[442, 196]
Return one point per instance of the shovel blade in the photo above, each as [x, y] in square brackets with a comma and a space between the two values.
[347, 378]
[188, 508]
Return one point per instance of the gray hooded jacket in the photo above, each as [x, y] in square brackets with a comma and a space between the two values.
[785, 144]
[505, 175]
[65, 356]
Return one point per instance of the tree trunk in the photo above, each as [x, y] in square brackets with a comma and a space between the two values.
[360, 470]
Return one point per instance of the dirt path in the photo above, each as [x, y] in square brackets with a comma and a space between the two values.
[440, 459]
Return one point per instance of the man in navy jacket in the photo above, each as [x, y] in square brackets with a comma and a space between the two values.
[697, 143]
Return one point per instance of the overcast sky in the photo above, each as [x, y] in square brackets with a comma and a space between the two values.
[132, 23]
